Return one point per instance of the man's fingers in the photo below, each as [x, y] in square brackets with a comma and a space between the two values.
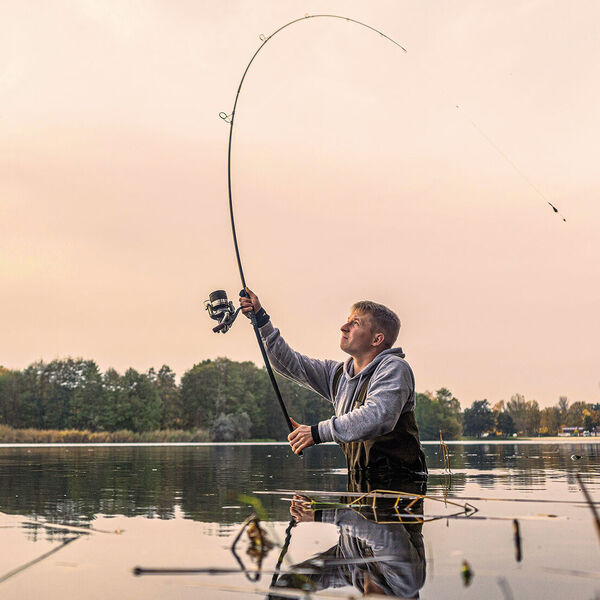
[298, 446]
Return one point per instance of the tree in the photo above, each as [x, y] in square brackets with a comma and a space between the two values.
[575, 414]
[438, 413]
[478, 419]
[563, 409]
[88, 399]
[505, 424]
[230, 427]
[28, 399]
[144, 402]
[532, 418]
[550, 420]
[594, 414]
[525, 414]
[209, 389]
[11, 412]
[169, 393]
[58, 381]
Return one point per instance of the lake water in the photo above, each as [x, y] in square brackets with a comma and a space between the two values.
[180, 507]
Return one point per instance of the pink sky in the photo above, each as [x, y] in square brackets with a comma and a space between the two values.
[354, 176]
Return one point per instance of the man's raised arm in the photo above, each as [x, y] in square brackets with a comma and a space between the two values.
[312, 373]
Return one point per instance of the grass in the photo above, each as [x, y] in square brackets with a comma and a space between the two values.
[8, 435]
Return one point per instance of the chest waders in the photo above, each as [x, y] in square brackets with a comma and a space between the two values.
[397, 452]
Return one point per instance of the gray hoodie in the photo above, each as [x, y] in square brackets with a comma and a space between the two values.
[391, 390]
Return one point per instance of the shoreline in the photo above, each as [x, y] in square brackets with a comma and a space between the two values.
[524, 441]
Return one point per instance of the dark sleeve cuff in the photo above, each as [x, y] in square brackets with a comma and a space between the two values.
[314, 431]
[262, 318]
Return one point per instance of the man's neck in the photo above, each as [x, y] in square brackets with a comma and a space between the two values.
[360, 362]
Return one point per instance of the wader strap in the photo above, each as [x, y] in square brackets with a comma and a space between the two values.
[360, 399]
[336, 379]
[362, 394]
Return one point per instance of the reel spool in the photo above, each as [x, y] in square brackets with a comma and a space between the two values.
[222, 310]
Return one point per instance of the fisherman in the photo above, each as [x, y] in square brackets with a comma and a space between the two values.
[373, 393]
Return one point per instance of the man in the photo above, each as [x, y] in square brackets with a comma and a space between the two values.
[373, 392]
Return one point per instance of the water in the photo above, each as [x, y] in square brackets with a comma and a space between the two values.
[179, 506]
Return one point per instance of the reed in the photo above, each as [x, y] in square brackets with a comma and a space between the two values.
[445, 454]
[8, 435]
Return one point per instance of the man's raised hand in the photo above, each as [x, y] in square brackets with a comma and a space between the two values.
[250, 303]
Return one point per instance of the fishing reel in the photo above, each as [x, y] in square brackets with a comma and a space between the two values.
[222, 310]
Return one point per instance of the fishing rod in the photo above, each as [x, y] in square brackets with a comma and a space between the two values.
[218, 306]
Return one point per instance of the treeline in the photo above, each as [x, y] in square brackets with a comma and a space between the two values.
[524, 417]
[224, 400]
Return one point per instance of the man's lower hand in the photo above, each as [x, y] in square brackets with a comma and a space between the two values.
[300, 438]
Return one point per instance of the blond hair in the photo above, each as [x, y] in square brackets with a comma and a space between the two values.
[383, 319]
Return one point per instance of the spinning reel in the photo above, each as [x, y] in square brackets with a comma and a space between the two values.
[222, 310]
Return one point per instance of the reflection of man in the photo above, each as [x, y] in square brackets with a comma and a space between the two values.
[376, 558]
[373, 392]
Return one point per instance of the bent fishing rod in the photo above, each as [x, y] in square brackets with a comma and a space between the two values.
[218, 306]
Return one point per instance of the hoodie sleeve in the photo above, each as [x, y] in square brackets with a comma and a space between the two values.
[390, 390]
[311, 373]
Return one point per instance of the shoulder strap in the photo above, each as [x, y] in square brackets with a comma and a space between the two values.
[336, 379]
[362, 394]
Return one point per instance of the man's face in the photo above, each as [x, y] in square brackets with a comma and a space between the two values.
[357, 334]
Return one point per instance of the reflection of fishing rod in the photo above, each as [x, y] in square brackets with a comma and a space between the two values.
[228, 313]
[284, 549]
[38, 559]
[319, 565]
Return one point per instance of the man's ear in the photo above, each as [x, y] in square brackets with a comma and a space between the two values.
[378, 339]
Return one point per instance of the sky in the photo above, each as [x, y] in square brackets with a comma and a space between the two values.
[419, 180]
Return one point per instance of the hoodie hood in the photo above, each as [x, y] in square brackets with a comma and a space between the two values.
[349, 363]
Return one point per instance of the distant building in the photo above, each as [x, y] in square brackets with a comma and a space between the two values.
[569, 431]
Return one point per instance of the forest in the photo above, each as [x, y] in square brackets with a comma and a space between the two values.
[224, 400]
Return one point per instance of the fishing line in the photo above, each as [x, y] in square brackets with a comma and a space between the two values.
[511, 162]
[230, 119]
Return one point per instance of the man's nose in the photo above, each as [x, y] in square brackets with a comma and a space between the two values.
[344, 327]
